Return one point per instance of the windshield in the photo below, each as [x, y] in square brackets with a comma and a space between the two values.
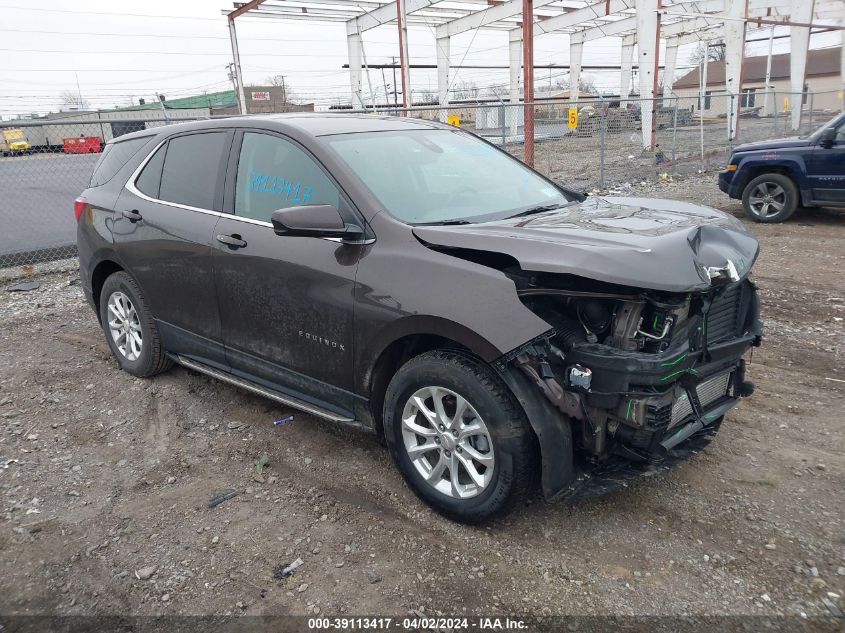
[436, 176]
[819, 130]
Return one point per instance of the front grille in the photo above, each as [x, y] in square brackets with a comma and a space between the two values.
[712, 390]
[726, 315]
[707, 392]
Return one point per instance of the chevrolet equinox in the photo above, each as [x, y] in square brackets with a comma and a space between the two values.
[499, 331]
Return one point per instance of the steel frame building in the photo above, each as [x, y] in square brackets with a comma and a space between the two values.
[639, 23]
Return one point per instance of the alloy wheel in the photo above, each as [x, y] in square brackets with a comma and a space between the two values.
[125, 326]
[448, 443]
[767, 199]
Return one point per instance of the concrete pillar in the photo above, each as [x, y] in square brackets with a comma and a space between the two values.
[355, 48]
[236, 58]
[799, 42]
[842, 63]
[648, 48]
[628, 43]
[515, 59]
[402, 23]
[576, 53]
[734, 53]
[443, 53]
[669, 71]
[768, 98]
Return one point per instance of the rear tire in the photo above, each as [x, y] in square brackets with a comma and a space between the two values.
[130, 329]
[489, 445]
[770, 198]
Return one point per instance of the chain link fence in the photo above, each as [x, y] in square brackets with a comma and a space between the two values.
[601, 144]
[588, 144]
[44, 166]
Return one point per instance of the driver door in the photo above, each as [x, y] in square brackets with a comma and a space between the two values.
[826, 169]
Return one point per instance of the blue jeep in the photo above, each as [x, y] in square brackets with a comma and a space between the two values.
[773, 177]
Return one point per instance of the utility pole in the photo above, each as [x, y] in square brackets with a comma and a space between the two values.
[284, 91]
[395, 96]
[163, 109]
[78, 92]
[384, 81]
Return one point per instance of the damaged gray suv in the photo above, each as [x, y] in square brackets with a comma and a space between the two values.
[408, 278]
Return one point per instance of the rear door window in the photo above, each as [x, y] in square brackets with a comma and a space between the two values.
[192, 169]
[149, 180]
[115, 156]
[274, 174]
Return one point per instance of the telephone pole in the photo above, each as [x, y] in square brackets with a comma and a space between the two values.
[395, 97]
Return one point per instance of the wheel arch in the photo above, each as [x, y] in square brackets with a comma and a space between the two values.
[790, 169]
[406, 339]
[102, 271]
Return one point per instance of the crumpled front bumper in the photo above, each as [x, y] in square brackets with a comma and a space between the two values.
[641, 413]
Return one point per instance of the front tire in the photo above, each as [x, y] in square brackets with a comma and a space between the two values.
[770, 198]
[130, 329]
[458, 436]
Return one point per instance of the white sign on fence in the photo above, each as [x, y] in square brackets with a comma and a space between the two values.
[261, 96]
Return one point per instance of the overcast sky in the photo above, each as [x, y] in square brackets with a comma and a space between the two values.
[120, 51]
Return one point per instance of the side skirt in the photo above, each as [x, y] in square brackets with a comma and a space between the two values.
[272, 394]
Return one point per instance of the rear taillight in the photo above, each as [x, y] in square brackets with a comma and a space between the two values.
[79, 207]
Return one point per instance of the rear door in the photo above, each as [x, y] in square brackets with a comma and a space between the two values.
[826, 169]
[285, 302]
[164, 225]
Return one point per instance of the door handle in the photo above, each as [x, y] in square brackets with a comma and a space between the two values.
[233, 241]
[133, 216]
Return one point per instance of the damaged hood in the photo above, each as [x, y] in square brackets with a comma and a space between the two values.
[641, 242]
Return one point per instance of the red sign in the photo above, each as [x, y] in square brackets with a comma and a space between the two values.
[261, 96]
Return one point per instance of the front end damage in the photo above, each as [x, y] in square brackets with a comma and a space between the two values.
[632, 380]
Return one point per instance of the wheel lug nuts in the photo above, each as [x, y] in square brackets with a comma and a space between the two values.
[448, 454]
[458, 449]
[442, 428]
[437, 439]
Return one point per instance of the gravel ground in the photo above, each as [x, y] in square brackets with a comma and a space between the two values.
[105, 480]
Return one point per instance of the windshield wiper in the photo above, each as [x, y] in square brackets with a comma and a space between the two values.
[539, 209]
[444, 223]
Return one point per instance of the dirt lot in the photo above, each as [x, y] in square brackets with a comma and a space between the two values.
[105, 480]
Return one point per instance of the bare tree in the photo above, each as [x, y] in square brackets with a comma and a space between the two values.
[73, 99]
[288, 95]
[585, 84]
[497, 91]
[715, 52]
[465, 90]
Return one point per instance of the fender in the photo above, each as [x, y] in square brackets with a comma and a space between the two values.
[417, 325]
[793, 163]
[552, 428]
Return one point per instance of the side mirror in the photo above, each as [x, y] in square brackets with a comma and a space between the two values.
[318, 220]
[828, 137]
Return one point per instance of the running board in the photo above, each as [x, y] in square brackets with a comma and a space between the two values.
[261, 391]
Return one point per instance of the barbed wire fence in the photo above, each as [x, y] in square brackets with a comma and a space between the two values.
[599, 146]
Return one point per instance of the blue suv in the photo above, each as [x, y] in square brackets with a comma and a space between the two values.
[773, 177]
